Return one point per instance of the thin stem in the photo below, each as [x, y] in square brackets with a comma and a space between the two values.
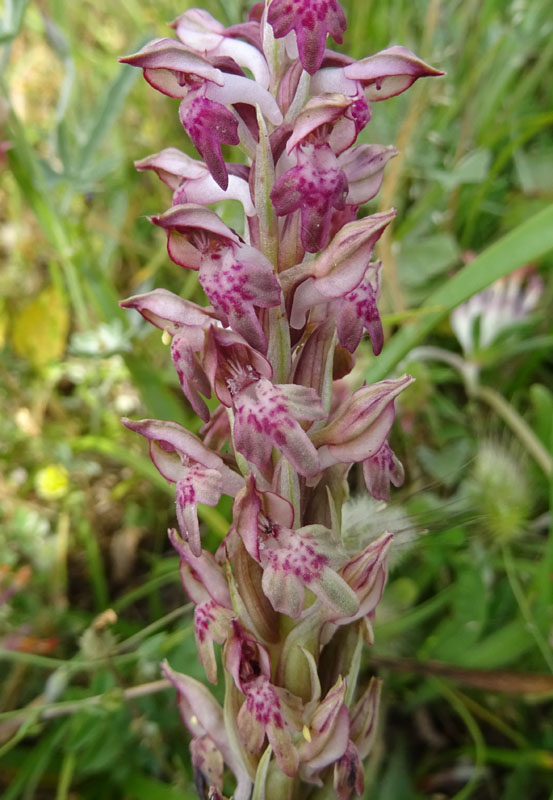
[74, 664]
[66, 776]
[67, 707]
[496, 401]
[429, 353]
[136, 638]
[460, 708]
[517, 424]
[524, 607]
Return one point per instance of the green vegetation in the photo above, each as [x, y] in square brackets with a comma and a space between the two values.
[83, 513]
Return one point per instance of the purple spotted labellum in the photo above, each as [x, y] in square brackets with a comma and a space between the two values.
[312, 21]
[267, 365]
[315, 187]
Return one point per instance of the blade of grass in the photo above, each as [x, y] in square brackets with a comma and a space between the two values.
[460, 708]
[526, 611]
[97, 572]
[66, 776]
[528, 242]
[30, 179]
[108, 110]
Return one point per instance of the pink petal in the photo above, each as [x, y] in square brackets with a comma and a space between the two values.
[348, 774]
[357, 310]
[210, 125]
[358, 430]
[389, 72]
[315, 186]
[171, 68]
[263, 419]
[382, 469]
[161, 307]
[364, 168]
[312, 20]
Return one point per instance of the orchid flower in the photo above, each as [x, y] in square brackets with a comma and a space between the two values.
[290, 295]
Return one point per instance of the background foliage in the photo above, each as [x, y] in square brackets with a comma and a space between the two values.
[83, 514]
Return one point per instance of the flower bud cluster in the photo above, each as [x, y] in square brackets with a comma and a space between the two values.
[290, 296]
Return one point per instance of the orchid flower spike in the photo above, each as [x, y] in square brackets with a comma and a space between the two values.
[291, 287]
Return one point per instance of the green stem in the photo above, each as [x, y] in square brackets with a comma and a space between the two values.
[66, 776]
[136, 638]
[32, 714]
[517, 424]
[496, 401]
[543, 646]
[73, 665]
[479, 744]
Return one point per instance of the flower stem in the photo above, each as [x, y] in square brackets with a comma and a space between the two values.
[496, 401]
[517, 424]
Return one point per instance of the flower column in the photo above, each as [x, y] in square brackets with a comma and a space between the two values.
[290, 297]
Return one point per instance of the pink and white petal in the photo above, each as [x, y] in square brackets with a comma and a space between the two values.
[167, 65]
[250, 438]
[364, 168]
[208, 761]
[389, 72]
[245, 512]
[349, 776]
[369, 441]
[205, 190]
[380, 470]
[192, 378]
[203, 715]
[342, 265]
[172, 166]
[210, 125]
[364, 718]
[312, 22]
[189, 216]
[322, 110]
[250, 729]
[239, 89]
[211, 624]
[161, 307]
[264, 712]
[173, 437]
[206, 570]
[329, 730]
[278, 509]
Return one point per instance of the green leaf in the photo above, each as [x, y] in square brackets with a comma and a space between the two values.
[422, 259]
[502, 647]
[446, 464]
[473, 168]
[395, 783]
[460, 633]
[542, 401]
[535, 171]
[528, 242]
[140, 787]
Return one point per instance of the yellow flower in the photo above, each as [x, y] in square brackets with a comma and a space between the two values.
[52, 482]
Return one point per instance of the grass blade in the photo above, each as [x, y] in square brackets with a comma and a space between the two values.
[528, 242]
